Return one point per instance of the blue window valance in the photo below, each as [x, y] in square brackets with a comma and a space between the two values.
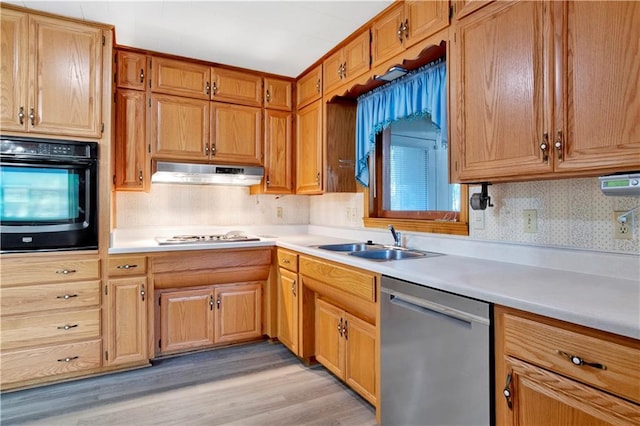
[421, 93]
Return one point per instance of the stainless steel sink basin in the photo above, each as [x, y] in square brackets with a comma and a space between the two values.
[351, 247]
[392, 254]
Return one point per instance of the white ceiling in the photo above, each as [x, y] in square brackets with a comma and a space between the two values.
[280, 37]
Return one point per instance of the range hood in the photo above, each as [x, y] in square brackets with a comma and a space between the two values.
[206, 174]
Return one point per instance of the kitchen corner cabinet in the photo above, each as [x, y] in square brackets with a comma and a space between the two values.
[348, 63]
[127, 294]
[49, 318]
[236, 134]
[46, 63]
[551, 372]
[132, 168]
[309, 149]
[288, 306]
[309, 87]
[540, 94]
[236, 87]
[277, 94]
[404, 25]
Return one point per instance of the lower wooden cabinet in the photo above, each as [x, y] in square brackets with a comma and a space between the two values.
[346, 346]
[551, 372]
[197, 318]
[288, 309]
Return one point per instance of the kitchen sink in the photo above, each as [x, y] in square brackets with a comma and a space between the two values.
[351, 247]
[389, 254]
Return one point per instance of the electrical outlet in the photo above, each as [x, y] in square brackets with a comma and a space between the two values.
[279, 212]
[478, 219]
[530, 221]
[621, 231]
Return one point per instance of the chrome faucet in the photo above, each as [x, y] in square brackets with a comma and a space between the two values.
[397, 236]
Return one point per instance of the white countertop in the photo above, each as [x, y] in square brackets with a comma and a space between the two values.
[602, 302]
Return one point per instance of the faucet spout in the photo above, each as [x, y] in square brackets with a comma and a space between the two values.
[397, 236]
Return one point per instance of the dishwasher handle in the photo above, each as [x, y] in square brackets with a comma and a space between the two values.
[427, 307]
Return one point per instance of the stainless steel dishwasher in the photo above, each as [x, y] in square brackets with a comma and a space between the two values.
[436, 363]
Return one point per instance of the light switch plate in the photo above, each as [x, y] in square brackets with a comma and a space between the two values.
[530, 218]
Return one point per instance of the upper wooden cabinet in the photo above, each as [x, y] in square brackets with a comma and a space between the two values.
[131, 70]
[348, 63]
[132, 169]
[51, 75]
[539, 94]
[236, 86]
[182, 78]
[236, 134]
[277, 94]
[406, 24]
[309, 149]
[309, 87]
[278, 157]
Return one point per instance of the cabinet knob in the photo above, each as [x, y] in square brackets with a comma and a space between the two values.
[318, 85]
[206, 150]
[576, 360]
[268, 181]
[66, 296]
[218, 302]
[340, 327]
[318, 178]
[21, 115]
[68, 359]
[66, 271]
[140, 177]
[214, 88]
[126, 266]
[32, 116]
[507, 391]
[558, 145]
[405, 28]
[141, 75]
[67, 326]
[400, 32]
[544, 147]
[211, 303]
[268, 96]
[207, 88]
[142, 292]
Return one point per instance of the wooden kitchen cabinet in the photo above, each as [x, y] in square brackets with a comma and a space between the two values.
[346, 345]
[551, 372]
[49, 62]
[132, 167]
[50, 318]
[131, 70]
[278, 157]
[236, 134]
[309, 150]
[309, 87]
[179, 127]
[288, 301]
[236, 87]
[186, 318]
[348, 63]
[277, 94]
[404, 25]
[539, 94]
[181, 78]
[238, 314]
[127, 294]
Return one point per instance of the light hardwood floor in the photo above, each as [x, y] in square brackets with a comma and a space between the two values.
[254, 384]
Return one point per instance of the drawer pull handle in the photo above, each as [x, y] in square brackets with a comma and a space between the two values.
[286, 261]
[126, 266]
[66, 271]
[68, 359]
[576, 360]
[67, 326]
[66, 296]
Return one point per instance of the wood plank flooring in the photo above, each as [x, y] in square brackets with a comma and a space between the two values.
[254, 384]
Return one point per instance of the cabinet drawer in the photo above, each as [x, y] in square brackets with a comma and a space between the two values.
[288, 260]
[127, 265]
[37, 298]
[48, 328]
[20, 272]
[550, 346]
[49, 361]
[353, 281]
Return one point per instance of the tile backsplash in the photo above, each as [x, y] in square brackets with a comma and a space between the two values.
[570, 213]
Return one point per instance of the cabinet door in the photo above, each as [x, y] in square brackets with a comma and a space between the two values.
[330, 344]
[236, 133]
[238, 314]
[424, 18]
[127, 321]
[66, 68]
[180, 78]
[309, 149]
[332, 71]
[14, 70]
[278, 159]
[309, 87]
[132, 168]
[540, 397]
[131, 70]
[501, 91]
[277, 94]
[597, 105]
[387, 36]
[288, 309]
[237, 87]
[179, 127]
[186, 320]
[357, 56]
[361, 357]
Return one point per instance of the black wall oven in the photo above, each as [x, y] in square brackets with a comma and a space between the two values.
[48, 195]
